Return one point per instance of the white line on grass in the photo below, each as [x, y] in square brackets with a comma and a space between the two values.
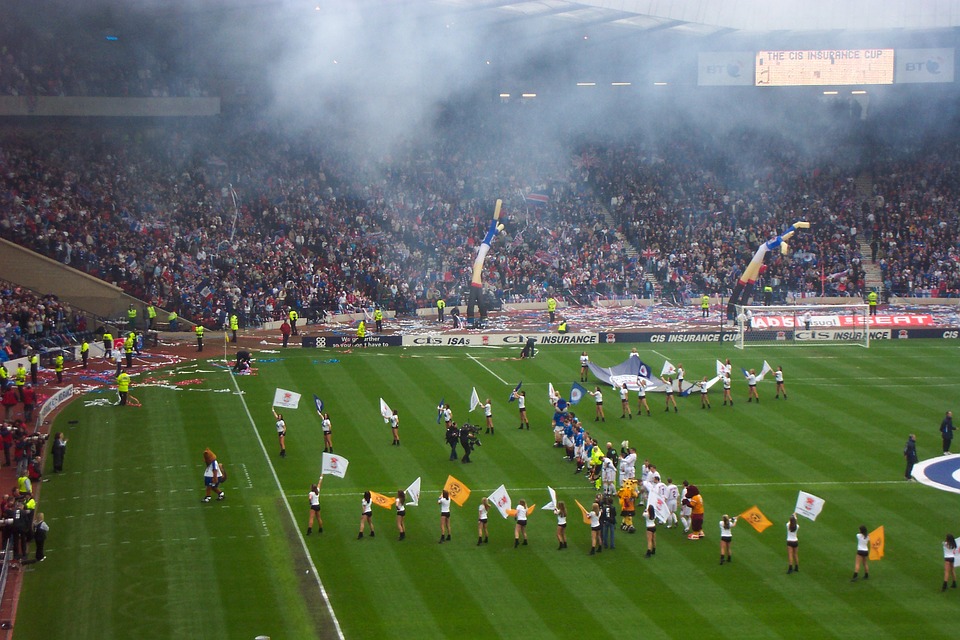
[488, 370]
[286, 502]
[661, 355]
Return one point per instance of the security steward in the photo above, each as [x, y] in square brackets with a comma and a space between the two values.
[132, 318]
[34, 366]
[767, 295]
[123, 387]
[552, 307]
[705, 306]
[440, 307]
[107, 344]
[151, 316]
[872, 299]
[294, 316]
[128, 348]
[58, 367]
[172, 320]
[562, 327]
[234, 326]
[85, 352]
[378, 318]
[199, 331]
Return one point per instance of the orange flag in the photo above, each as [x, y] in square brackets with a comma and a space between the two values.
[381, 500]
[513, 512]
[876, 543]
[458, 491]
[756, 519]
[583, 510]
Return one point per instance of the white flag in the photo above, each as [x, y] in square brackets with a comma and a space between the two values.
[765, 370]
[413, 493]
[721, 368]
[501, 500]
[808, 505]
[385, 411]
[552, 392]
[550, 506]
[659, 503]
[334, 465]
[668, 369]
[286, 399]
[474, 399]
[712, 381]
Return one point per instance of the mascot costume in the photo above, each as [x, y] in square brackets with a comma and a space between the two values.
[476, 283]
[744, 287]
[628, 504]
[695, 501]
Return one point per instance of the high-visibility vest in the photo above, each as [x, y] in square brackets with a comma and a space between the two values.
[151, 312]
[131, 314]
[362, 330]
[705, 302]
[441, 304]
[58, 363]
[199, 331]
[294, 315]
[378, 315]
[123, 382]
[551, 305]
[234, 323]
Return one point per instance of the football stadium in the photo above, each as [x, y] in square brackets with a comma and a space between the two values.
[316, 317]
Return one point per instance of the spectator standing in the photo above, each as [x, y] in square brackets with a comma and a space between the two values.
[608, 522]
[285, 332]
[59, 450]
[40, 529]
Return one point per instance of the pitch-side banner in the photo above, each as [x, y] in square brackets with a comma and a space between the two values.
[498, 339]
[923, 65]
[725, 68]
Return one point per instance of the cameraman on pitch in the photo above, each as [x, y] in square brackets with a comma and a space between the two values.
[452, 437]
[468, 438]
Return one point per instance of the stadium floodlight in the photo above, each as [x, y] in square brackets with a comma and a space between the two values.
[802, 325]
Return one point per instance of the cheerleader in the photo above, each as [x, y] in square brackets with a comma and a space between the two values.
[650, 521]
[314, 497]
[395, 428]
[484, 510]
[670, 400]
[625, 402]
[444, 502]
[488, 414]
[793, 545]
[863, 552]
[521, 526]
[704, 397]
[752, 384]
[281, 433]
[778, 376]
[726, 536]
[594, 516]
[584, 366]
[598, 400]
[521, 397]
[642, 396]
[401, 505]
[949, 558]
[726, 388]
[561, 513]
[327, 434]
[366, 514]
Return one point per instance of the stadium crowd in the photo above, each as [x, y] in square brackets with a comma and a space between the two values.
[252, 222]
[31, 320]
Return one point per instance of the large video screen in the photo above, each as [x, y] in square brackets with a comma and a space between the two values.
[829, 67]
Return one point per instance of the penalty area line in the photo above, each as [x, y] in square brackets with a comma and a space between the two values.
[286, 502]
[488, 370]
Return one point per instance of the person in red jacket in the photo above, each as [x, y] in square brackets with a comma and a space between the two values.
[9, 401]
[29, 402]
[285, 331]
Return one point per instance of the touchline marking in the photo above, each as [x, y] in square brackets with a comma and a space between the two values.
[488, 369]
[286, 502]
[660, 354]
[246, 473]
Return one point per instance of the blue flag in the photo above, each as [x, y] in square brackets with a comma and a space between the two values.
[440, 410]
[515, 390]
[317, 401]
[576, 393]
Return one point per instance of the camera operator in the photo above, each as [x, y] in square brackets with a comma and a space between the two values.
[468, 440]
[452, 437]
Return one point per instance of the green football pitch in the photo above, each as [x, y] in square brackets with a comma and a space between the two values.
[133, 553]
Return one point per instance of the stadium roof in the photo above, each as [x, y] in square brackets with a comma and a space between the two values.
[717, 17]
